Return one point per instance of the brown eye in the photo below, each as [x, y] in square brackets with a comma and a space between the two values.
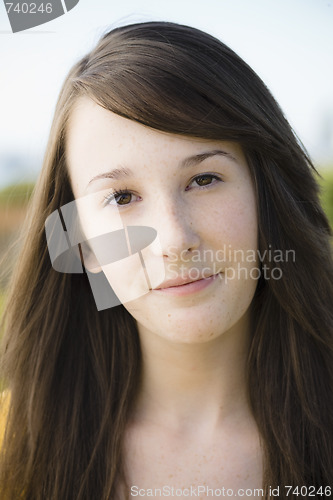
[204, 180]
[123, 199]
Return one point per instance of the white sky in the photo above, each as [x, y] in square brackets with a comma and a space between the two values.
[289, 43]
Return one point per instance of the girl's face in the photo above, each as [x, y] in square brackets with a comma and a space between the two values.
[198, 277]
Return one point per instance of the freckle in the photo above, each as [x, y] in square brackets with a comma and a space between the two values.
[169, 315]
[211, 334]
[170, 475]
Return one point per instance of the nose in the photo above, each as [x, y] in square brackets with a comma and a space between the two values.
[176, 231]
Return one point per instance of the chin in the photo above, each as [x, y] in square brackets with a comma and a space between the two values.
[189, 329]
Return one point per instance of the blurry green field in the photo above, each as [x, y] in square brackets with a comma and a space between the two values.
[326, 184]
[16, 194]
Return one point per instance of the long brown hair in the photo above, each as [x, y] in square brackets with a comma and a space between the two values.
[72, 371]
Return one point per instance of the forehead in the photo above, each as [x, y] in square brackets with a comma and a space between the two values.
[98, 140]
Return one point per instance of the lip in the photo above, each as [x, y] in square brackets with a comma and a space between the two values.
[185, 286]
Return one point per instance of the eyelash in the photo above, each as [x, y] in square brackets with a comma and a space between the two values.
[212, 177]
[115, 194]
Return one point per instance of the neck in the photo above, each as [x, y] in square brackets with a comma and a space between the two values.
[186, 385]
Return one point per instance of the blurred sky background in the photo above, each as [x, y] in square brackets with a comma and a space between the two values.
[289, 43]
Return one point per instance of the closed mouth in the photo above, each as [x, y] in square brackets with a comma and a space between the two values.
[185, 282]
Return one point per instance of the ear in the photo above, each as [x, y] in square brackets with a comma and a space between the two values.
[88, 258]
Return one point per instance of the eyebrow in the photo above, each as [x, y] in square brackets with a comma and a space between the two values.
[120, 172]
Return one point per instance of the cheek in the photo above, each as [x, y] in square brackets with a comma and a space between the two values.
[242, 227]
[133, 276]
[233, 223]
[127, 278]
